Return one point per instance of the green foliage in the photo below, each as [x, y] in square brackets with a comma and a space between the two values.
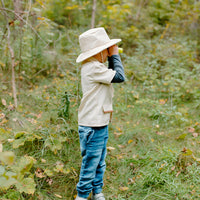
[17, 173]
[64, 110]
[154, 137]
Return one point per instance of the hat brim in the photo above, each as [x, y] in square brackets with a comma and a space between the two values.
[85, 55]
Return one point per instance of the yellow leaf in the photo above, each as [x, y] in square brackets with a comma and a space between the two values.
[41, 18]
[162, 165]
[152, 140]
[2, 64]
[4, 121]
[61, 75]
[71, 7]
[119, 129]
[41, 3]
[130, 141]
[48, 172]
[7, 157]
[162, 101]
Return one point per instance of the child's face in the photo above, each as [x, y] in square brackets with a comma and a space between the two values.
[104, 55]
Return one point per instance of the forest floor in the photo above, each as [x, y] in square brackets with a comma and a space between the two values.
[153, 147]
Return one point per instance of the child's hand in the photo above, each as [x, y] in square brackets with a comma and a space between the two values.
[113, 50]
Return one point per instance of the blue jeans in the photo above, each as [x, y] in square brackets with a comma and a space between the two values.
[93, 142]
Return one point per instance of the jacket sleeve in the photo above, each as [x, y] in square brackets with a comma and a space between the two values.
[101, 74]
[116, 65]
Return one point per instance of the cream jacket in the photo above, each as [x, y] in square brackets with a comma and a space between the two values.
[96, 104]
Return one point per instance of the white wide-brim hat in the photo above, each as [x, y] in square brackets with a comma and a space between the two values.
[93, 42]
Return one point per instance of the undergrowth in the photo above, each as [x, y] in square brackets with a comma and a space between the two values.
[153, 148]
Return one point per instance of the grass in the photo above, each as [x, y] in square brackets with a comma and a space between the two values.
[155, 148]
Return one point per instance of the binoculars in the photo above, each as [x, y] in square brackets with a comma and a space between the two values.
[120, 50]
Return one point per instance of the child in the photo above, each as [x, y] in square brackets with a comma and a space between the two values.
[95, 110]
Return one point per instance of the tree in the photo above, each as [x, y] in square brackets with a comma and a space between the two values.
[93, 13]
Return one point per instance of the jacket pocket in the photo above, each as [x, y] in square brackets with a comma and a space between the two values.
[107, 108]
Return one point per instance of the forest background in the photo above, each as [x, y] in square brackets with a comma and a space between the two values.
[153, 149]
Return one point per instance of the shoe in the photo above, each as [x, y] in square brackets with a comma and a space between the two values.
[99, 196]
[80, 198]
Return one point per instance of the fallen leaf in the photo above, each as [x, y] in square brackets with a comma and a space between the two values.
[131, 180]
[11, 140]
[49, 181]
[43, 160]
[184, 150]
[39, 173]
[48, 172]
[117, 134]
[1, 147]
[4, 121]
[134, 156]
[191, 129]
[33, 121]
[57, 195]
[41, 18]
[3, 101]
[119, 157]
[162, 165]
[178, 173]
[130, 141]
[121, 146]
[159, 133]
[123, 188]
[173, 168]
[182, 136]
[11, 107]
[39, 115]
[2, 115]
[110, 148]
[195, 134]
[162, 101]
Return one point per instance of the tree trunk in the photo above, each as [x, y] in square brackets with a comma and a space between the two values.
[17, 7]
[93, 13]
[12, 55]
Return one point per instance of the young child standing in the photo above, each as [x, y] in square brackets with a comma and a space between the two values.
[96, 109]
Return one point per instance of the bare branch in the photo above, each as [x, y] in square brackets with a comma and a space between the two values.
[19, 17]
